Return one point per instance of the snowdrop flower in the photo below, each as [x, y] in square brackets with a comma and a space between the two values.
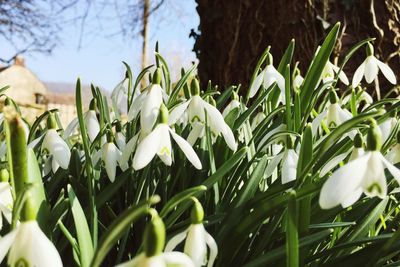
[119, 136]
[393, 156]
[197, 239]
[356, 152]
[195, 107]
[148, 103]
[6, 201]
[159, 142]
[297, 81]
[56, 146]
[363, 174]
[277, 145]
[234, 104]
[153, 244]
[111, 157]
[370, 68]
[92, 124]
[27, 245]
[288, 159]
[267, 77]
[329, 72]
[334, 115]
[258, 118]
[120, 94]
[362, 96]
[387, 127]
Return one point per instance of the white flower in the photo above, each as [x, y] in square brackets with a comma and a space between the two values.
[370, 68]
[162, 260]
[197, 240]
[334, 116]
[297, 81]
[234, 104]
[356, 152]
[387, 127]
[159, 142]
[364, 174]
[195, 107]
[289, 159]
[363, 96]
[6, 203]
[328, 74]
[28, 246]
[92, 124]
[393, 155]
[258, 118]
[57, 147]
[111, 157]
[267, 77]
[120, 140]
[151, 108]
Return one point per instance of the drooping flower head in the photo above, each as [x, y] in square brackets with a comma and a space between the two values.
[364, 174]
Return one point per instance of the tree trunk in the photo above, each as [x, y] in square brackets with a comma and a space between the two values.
[234, 33]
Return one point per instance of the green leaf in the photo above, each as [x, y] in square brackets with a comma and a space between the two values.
[292, 236]
[256, 69]
[314, 73]
[287, 57]
[181, 197]
[82, 229]
[179, 86]
[119, 226]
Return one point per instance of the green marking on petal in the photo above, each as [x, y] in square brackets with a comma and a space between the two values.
[165, 151]
[375, 187]
[21, 263]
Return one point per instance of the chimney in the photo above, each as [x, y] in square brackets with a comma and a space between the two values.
[19, 61]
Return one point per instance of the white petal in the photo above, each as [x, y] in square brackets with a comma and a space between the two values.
[229, 138]
[317, 121]
[6, 242]
[256, 84]
[371, 69]
[289, 166]
[272, 165]
[216, 120]
[165, 149]
[392, 169]
[213, 249]
[177, 112]
[195, 245]
[187, 149]
[356, 153]
[352, 198]
[332, 163]
[120, 140]
[343, 183]
[198, 131]
[387, 71]
[358, 75]
[342, 75]
[54, 165]
[231, 106]
[151, 108]
[374, 182]
[57, 147]
[136, 106]
[71, 128]
[174, 241]
[32, 245]
[133, 262]
[129, 148]
[177, 258]
[196, 109]
[147, 149]
[92, 124]
[111, 155]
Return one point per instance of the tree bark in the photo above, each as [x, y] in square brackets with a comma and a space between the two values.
[233, 33]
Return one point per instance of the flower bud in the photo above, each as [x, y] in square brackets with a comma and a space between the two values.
[93, 104]
[4, 175]
[164, 114]
[51, 121]
[195, 87]
[197, 212]
[358, 141]
[369, 49]
[154, 235]
[333, 98]
[374, 137]
[156, 79]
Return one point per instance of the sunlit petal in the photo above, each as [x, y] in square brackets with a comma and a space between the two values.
[187, 150]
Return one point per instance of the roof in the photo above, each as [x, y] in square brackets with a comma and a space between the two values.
[23, 83]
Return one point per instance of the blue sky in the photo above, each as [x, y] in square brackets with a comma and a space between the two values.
[99, 60]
